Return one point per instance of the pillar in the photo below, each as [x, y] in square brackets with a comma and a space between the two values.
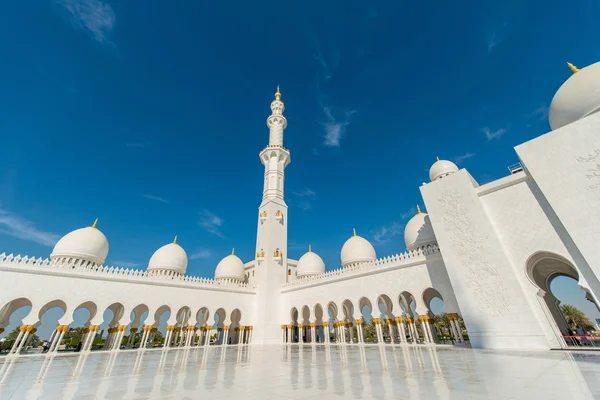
[63, 329]
[168, 336]
[300, 333]
[313, 332]
[326, 333]
[390, 326]
[22, 330]
[226, 335]
[351, 331]
[377, 322]
[131, 340]
[250, 333]
[359, 331]
[400, 328]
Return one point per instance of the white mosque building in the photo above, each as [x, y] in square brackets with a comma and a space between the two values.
[488, 251]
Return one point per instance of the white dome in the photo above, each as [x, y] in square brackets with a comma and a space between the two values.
[310, 264]
[231, 267]
[88, 244]
[357, 249]
[577, 98]
[441, 168]
[418, 232]
[170, 257]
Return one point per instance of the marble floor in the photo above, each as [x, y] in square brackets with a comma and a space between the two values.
[304, 372]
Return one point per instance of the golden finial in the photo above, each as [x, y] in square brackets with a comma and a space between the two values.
[95, 223]
[437, 158]
[418, 209]
[573, 68]
[354, 229]
[233, 251]
[309, 248]
[175, 239]
[278, 94]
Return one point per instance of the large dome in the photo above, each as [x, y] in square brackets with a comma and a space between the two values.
[418, 231]
[170, 257]
[87, 244]
[231, 267]
[357, 249]
[310, 264]
[441, 168]
[577, 98]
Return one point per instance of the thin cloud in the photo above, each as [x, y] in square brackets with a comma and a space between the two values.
[334, 128]
[386, 233]
[201, 254]
[495, 134]
[93, 16]
[138, 145]
[540, 113]
[211, 223]
[308, 193]
[304, 198]
[155, 198]
[408, 214]
[461, 159]
[493, 42]
[125, 264]
[20, 228]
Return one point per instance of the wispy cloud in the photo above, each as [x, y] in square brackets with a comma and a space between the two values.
[495, 134]
[384, 234]
[201, 254]
[211, 223]
[335, 128]
[138, 145]
[155, 198]
[408, 214]
[95, 17]
[460, 159]
[21, 228]
[493, 42]
[540, 113]
[125, 264]
[304, 198]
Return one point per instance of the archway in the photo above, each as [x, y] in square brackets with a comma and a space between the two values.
[386, 307]
[408, 305]
[11, 318]
[138, 316]
[366, 310]
[332, 310]
[320, 330]
[219, 324]
[234, 327]
[161, 316]
[48, 317]
[294, 320]
[542, 269]
[349, 333]
[305, 331]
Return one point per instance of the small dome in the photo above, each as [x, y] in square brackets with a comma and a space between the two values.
[577, 98]
[357, 249]
[418, 231]
[310, 264]
[88, 244]
[170, 257]
[231, 267]
[441, 168]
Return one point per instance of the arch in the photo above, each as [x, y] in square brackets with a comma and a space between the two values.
[139, 315]
[294, 315]
[202, 316]
[234, 326]
[541, 269]
[386, 306]
[428, 295]
[318, 313]
[50, 305]
[9, 308]
[183, 316]
[91, 307]
[407, 301]
[160, 311]
[219, 318]
[117, 310]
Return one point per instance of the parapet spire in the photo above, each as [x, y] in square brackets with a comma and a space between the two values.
[573, 68]
[278, 94]
[175, 239]
[418, 209]
[233, 251]
[309, 248]
[95, 223]
[354, 231]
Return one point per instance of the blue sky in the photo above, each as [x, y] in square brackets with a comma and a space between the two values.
[149, 115]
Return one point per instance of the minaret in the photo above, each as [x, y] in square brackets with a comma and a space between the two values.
[271, 238]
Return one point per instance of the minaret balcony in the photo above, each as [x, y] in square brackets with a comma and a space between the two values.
[279, 216]
[260, 255]
[262, 216]
[277, 255]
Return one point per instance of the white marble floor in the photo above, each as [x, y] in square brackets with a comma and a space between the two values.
[304, 372]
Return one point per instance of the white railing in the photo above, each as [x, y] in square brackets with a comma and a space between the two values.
[381, 263]
[78, 266]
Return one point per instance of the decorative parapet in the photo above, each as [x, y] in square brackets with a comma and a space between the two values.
[392, 262]
[82, 268]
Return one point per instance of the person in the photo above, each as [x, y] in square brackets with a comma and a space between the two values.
[78, 348]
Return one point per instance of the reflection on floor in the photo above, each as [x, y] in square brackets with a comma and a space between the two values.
[304, 372]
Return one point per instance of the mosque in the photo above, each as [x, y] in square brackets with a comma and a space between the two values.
[489, 252]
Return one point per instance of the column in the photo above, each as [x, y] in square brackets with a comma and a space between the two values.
[250, 334]
[283, 333]
[208, 335]
[226, 335]
[326, 333]
[64, 328]
[300, 333]
[390, 329]
[167, 343]
[22, 331]
[377, 322]
[411, 331]
[400, 328]
[150, 337]
[359, 331]
[432, 330]
[351, 331]
[313, 332]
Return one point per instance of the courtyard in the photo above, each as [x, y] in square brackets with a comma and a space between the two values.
[304, 372]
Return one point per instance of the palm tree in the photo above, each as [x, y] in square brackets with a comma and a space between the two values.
[575, 317]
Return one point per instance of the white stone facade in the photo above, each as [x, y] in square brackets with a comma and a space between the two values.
[488, 251]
